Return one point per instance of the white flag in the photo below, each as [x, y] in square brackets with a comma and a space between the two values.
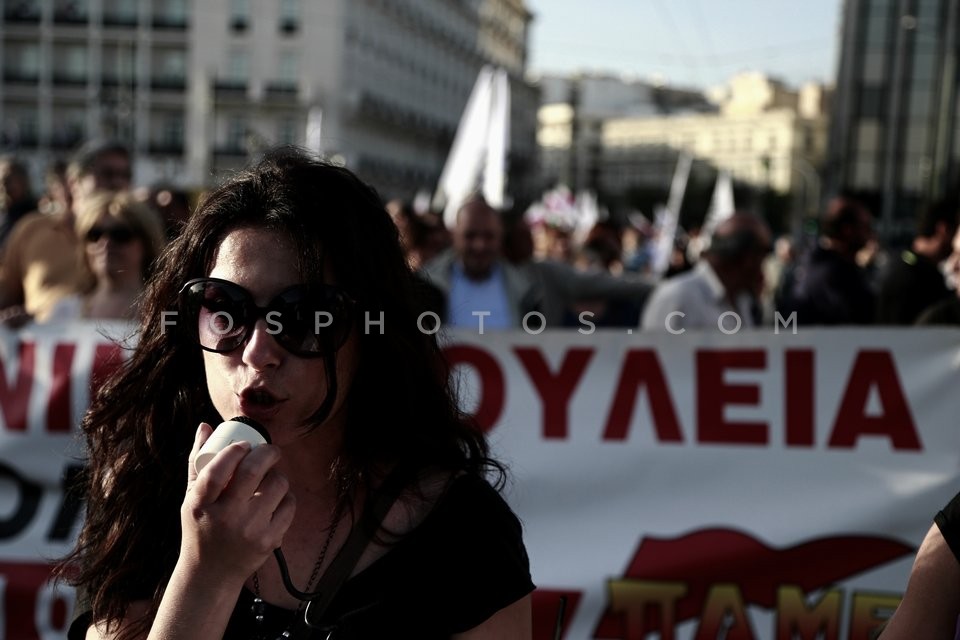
[480, 146]
[498, 142]
[721, 205]
[666, 225]
[667, 217]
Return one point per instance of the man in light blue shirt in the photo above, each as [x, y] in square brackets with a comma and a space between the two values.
[483, 292]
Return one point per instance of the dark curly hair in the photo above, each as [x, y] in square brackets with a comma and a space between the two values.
[400, 407]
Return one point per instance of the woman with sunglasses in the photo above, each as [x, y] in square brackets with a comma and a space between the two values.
[121, 238]
[287, 300]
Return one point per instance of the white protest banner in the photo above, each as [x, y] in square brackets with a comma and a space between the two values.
[45, 380]
[758, 485]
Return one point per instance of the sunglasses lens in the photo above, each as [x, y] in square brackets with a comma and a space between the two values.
[219, 313]
[315, 321]
[119, 235]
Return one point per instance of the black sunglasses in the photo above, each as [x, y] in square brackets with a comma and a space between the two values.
[309, 321]
[118, 234]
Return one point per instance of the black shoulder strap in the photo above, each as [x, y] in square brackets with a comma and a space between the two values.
[342, 566]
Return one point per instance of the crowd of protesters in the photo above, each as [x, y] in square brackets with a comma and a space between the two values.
[496, 272]
[83, 248]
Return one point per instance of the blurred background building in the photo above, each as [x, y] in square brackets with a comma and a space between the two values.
[895, 135]
[574, 109]
[622, 138]
[197, 88]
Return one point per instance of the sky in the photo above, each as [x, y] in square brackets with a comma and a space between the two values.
[687, 43]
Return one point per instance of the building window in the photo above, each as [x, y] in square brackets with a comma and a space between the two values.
[172, 133]
[239, 14]
[236, 133]
[921, 104]
[21, 11]
[170, 69]
[872, 102]
[174, 64]
[865, 173]
[21, 130]
[170, 14]
[120, 12]
[22, 62]
[878, 25]
[289, 15]
[288, 69]
[868, 136]
[924, 68]
[71, 64]
[67, 130]
[918, 136]
[287, 131]
[70, 11]
[910, 173]
[238, 67]
[118, 65]
[875, 66]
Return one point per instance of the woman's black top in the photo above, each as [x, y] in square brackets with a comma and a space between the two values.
[948, 521]
[462, 564]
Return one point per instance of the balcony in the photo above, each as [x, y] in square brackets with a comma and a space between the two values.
[69, 79]
[238, 24]
[19, 76]
[19, 140]
[171, 23]
[66, 141]
[120, 20]
[70, 15]
[281, 92]
[23, 12]
[112, 81]
[168, 83]
[231, 90]
[230, 150]
[289, 26]
[166, 147]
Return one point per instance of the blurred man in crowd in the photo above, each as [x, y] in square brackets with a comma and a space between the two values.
[912, 281]
[947, 310]
[476, 283]
[41, 263]
[170, 203]
[422, 235]
[828, 286]
[16, 198]
[721, 291]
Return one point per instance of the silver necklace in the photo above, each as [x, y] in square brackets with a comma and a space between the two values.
[258, 608]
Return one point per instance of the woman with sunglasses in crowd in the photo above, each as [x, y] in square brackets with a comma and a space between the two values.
[120, 239]
[287, 300]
